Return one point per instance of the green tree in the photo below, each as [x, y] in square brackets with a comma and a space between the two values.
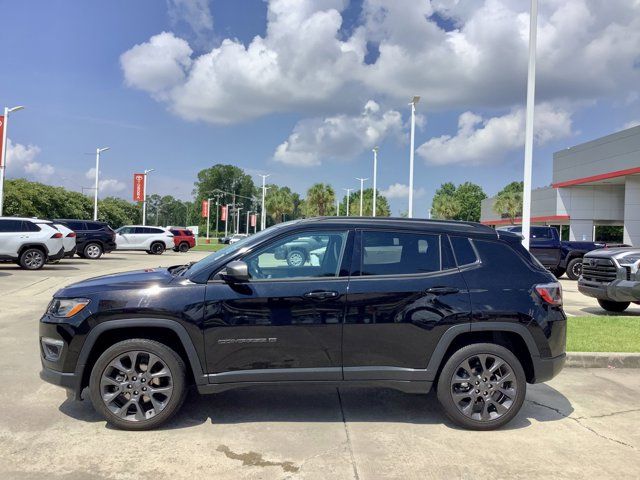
[118, 212]
[382, 205]
[320, 200]
[509, 201]
[458, 203]
[445, 207]
[279, 203]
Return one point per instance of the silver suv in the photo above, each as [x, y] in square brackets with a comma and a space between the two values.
[30, 242]
[612, 276]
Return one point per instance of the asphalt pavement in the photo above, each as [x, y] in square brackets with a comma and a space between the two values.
[585, 423]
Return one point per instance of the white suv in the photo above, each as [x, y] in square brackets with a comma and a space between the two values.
[153, 240]
[30, 242]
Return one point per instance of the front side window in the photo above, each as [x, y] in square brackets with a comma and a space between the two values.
[395, 253]
[304, 254]
[10, 226]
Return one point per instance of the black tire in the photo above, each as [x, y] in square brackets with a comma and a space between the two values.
[157, 248]
[32, 258]
[92, 251]
[490, 387]
[558, 272]
[101, 382]
[296, 258]
[183, 247]
[611, 306]
[574, 268]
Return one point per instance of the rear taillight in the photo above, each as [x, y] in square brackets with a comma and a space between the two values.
[551, 293]
[71, 235]
[56, 235]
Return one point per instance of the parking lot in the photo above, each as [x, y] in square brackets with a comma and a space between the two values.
[584, 423]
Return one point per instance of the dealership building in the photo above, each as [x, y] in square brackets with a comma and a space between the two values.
[596, 183]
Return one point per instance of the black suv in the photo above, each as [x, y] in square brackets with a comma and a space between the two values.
[405, 304]
[93, 238]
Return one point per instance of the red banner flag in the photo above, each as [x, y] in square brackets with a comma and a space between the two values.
[1, 139]
[223, 213]
[205, 208]
[138, 187]
[253, 219]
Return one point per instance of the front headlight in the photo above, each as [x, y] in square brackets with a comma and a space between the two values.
[66, 307]
[629, 259]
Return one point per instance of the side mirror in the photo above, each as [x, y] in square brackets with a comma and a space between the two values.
[236, 271]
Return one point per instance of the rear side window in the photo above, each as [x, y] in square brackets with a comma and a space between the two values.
[502, 260]
[155, 230]
[30, 227]
[395, 253]
[94, 226]
[463, 250]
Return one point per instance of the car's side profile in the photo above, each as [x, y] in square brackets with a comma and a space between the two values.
[404, 304]
[93, 238]
[183, 239]
[30, 242]
[153, 240]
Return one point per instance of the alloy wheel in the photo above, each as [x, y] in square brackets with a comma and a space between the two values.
[296, 259]
[136, 386]
[93, 251]
[33, 259]
[484, 387]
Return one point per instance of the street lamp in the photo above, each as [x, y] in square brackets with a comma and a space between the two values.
[95, 198]
[144, 203]
[375, 179]
[348, 190]
[263, 211]
[337, 206]
[4, 122]
[361, 191]
[528, 134]
[413, 104]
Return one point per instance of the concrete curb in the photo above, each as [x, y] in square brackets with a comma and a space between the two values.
[602, 360]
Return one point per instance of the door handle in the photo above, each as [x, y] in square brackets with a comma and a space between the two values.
[321, 294]
[442, 290]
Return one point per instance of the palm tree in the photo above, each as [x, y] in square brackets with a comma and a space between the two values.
[320, 200]
[279, 203]
[509, 203]
[445, 207]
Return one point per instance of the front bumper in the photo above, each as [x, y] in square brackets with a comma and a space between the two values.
[547, 368]
[616, 291]
[69, 381]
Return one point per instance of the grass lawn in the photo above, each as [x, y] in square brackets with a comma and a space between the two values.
[203, 247]
[603, 334]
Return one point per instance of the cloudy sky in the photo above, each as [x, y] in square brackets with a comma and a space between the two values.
[303, 89]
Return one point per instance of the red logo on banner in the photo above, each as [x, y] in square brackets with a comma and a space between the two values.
[223, 213]
[205, 208]
[138, 187]
[253, 219]
[1, 138]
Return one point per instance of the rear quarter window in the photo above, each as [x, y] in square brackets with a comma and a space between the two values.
[504, 265]
[463, 250]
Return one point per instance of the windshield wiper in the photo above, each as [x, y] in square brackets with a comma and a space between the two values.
[180, 268]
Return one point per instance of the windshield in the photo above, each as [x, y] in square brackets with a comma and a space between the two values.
[234, 247]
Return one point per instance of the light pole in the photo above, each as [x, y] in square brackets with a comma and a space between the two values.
[238, 214]
[361, 191]
[95, 198]
[337, 206]
[528, 134]
[348, 190]
[263, 214]
[4, 123]
[144, 203]
[375, 179]
[413, 104]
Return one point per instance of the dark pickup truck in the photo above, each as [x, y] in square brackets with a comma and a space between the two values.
[557, 255]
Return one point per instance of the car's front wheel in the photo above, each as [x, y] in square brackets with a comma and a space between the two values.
[32, 259]
[482, 386]
[617, 307]
[138, 384]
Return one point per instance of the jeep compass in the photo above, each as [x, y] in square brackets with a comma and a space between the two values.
[396, 303]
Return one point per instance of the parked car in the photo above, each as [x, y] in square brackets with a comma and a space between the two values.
[557, 255]
[298, 252]
[612, 276]
[153, 240]
[93, 238]
[29, 242]
[225, 239]
[236, 238]
[452, 304]
[68, 240]
[183, 239]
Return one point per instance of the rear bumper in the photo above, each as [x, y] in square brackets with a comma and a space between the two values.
[70, 253]
[57, 256]
[616, 291]
[547, 368]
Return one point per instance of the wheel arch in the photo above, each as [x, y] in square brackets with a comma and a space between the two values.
[40, 246]
[166, 331]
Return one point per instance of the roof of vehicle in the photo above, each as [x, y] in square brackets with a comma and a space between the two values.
[78, 220]
[145, 226]
[447, 226]
[28, 219]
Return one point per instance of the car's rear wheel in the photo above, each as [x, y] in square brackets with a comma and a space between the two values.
[574, 268]
[157, 248]
[32, 259]
[184, 247]
[138, 384]
[617, 307]
[92, 251]
[482, 386]
[295, 258]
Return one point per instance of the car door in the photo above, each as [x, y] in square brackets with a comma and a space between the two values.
[404, 293]
[545, 246]
[125, 238]
[11, 237]
[285, 323]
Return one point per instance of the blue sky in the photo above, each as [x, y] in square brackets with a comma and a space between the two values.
[323, 83]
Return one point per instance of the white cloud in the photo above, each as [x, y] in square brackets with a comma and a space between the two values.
[400, 190]
[105, 185]
[195, 13]
[481, 141]
[21, 162]
[586, 49]
[340, 136]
